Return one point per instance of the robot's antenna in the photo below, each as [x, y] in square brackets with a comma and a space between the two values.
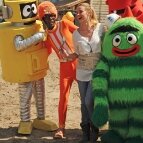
[6, 11]
[2, 2]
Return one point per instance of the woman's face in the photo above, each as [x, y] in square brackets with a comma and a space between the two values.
[81, 14]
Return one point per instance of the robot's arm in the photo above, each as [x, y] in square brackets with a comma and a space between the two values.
[22, 44]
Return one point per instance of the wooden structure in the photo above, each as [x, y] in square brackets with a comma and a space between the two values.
[101, 9]
[69, 4]
[65, 5]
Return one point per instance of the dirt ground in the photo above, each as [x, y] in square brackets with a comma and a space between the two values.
[9, 111]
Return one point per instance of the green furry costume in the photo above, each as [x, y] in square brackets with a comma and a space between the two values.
[118, 83]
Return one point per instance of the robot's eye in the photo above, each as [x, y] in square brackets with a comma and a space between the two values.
[34, 8]
[26, 10]
[116, 40]
[131, 38]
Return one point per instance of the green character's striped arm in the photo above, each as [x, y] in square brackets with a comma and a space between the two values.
[100, 80]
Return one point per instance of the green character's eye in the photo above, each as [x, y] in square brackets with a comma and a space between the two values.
[131, 38]
[116, 40]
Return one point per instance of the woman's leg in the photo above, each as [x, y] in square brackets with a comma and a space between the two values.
[89, 99]
[90, 104]
[85, 120]
[84, 111]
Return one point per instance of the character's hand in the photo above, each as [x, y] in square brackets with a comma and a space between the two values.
[63, 53]
[100, 115]
[42, 30]
[44, 33]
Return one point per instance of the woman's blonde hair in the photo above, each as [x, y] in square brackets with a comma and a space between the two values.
[92, 15]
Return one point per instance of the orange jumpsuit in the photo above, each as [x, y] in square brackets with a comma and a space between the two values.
[60, 38]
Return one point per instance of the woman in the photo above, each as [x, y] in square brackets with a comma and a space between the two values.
[87, 44]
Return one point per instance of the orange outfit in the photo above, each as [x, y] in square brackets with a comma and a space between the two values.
[60, 39]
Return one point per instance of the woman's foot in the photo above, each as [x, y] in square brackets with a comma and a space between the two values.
[59, 133]
[85, 133]
[94, 133]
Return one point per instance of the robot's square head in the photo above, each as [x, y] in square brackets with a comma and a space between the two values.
[20, 10]
[28, 10]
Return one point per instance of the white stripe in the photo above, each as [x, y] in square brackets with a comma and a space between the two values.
[54, 40]
[59, 34]
[61, 39]
[66, 47]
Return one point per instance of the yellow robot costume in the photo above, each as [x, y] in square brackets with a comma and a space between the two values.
[24, 60]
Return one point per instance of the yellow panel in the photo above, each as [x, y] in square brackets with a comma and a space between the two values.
[28, 65]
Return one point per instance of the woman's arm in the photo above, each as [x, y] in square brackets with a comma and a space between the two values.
[71, 57]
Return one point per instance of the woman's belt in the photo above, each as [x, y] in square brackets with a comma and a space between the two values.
[88, 61]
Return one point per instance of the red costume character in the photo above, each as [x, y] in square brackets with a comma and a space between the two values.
[126, 8]
[59, 38]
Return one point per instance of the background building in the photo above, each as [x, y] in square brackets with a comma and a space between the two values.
[100, 8]
[66, 5]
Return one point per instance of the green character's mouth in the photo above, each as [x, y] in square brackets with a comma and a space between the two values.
[126, 52]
